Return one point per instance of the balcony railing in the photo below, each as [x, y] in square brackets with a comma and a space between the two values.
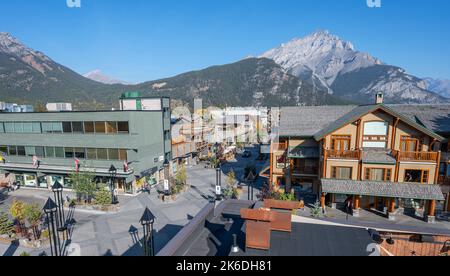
[418, 156]
[343, 154]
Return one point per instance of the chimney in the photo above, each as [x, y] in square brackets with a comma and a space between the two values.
[379, 98]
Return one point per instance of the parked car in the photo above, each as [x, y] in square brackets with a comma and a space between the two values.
[247, 154]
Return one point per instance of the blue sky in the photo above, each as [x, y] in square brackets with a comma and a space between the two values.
[139, 40]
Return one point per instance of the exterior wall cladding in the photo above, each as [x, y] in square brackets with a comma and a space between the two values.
[147, 143]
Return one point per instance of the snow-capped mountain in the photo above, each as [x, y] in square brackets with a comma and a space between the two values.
[440, 86]
[98, 76]
[332, 63]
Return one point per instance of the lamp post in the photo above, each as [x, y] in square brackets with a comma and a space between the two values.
[112, 174]
[147, 221]
[218, 183]
[50, 208]
[57, 190]
[166, 177]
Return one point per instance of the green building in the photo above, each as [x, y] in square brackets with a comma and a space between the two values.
[37, 149]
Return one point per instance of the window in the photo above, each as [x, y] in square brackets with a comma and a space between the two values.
[100, 127]
[68, 153]
[12, 150]
[36, 127]
[18, 127]
[113, 154]
[91, 154]
[166, 135]
[2, 128]
[375, 174]
[80, 153]
[102, 154]
[47, 127]
[27, 127]
[40, 152]
[21, 151]
[9, 127]
[67, 127]
[341, 173]
[59, 152]
[30, 151]
[123, 155]
[89, 127]
[3, 150]
[375, 135]
[77, 127]
[417, 176]
[123, 127]
[111, 127]
[57, 127]
[341, 142]
[50, 152]
[411, 144]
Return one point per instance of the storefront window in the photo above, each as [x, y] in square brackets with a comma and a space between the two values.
[89, 127]
[68, 153]
[102, 154]
[30, 180]
[21, 151]
[111, 127]
[113, 154]
[100, 127]
[30, 151]
[43, 182]
[67, 127]
[50, 152]
[77, 127]
[123, 127]
[92, 154]
[59, 152]
[80, 153]
[40, 152]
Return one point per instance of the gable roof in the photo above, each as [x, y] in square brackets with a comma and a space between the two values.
[306, 121]
[318, 122]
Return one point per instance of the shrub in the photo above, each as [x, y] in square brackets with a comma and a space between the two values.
[17, 211]
[33, 215]
[6, 226]
[102, 197]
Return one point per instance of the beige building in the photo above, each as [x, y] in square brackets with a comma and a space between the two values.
[382, 157]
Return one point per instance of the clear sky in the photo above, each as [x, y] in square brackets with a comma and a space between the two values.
[140, 40]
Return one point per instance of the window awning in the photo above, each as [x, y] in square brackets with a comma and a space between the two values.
[383, 189]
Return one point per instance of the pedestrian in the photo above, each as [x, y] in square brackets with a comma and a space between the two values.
[348, 207]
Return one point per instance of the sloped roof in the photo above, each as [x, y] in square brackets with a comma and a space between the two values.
[383, 189]
[306, 121]
[319, 121]
[433, 117]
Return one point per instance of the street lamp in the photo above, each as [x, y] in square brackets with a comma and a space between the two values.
[218, 183]
[57, 190]
[147, 221]
[50, 208]
[167, 188]
[112, 174]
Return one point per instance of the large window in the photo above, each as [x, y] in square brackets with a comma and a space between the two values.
[376, 174]
[80, 153]
[411, 144]
[9, 127]
[102, 154]
[417, 176]
[2, 128]
[77, 127]
[375, 134]
[89, 127]
[91, 154]
[59, 152]
[113, 154]
[68, 153]
[344, 173]
[21, 151]
[67, 127]
[100, 127]
[111, 127]
[50, 152]
[123, 127]
[341, 142]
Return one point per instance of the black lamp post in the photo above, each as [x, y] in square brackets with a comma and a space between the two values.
[218, 182]
[147, 221]
[57, 190]
[50, 209]
[112, 174]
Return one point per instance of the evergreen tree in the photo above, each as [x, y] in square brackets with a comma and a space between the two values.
[6, 226]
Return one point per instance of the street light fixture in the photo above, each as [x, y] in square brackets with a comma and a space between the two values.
[147, 221]
[112, 174]
[50, 208]
[57, 190]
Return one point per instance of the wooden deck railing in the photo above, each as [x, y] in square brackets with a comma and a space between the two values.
[343, 154]
[418, 156]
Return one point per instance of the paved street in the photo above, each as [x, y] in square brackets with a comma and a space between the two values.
[120, 233]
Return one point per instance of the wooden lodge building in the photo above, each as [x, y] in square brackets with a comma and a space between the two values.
[381, 157]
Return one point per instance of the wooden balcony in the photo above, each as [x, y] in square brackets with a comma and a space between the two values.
[343, 154]
[418, 156]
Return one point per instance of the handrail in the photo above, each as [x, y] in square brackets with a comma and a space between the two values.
[344, 154]
[418, 156]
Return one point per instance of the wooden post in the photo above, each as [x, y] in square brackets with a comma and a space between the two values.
[325, 158]
[394, 133]
[431, 208]
[322, 201]
[392, 205]
[438, 164]
[358, 135]
[357, 202]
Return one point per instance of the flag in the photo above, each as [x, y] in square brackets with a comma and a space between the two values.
[125, 166]
[77, 165]
[35, 161]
